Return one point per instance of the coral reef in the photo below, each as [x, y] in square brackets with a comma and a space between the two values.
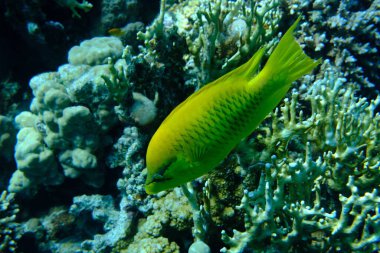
[8, 92]
[59, 131]
[127, 154]
[7, 137]
[50, 232]
[170, 213]
[222, 34]
[74, 6]
[8, 226]
[95, 51]
[306, 180]
[339, 139]
[347, 33]
[117, 13]
[116, 223]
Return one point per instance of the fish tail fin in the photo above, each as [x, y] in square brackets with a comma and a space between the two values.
[288, 62]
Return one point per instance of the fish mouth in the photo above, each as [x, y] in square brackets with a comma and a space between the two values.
[155, 185]
[157, 179]
[159, 175]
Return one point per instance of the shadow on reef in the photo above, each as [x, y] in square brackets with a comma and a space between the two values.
[53, 222]
[63, 194]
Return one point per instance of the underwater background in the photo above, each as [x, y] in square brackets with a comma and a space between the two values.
[85, 84]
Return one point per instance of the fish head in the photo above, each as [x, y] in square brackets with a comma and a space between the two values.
[169, 174]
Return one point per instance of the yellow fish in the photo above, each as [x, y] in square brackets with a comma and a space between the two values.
[200, 132]
[117, 32]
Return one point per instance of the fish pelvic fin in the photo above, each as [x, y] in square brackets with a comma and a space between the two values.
[288, 62]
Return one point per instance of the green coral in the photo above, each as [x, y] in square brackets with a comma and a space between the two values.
[118, 84]
[222, 34]
[318, 190]
[225, 33]
[219, 34]
[321, 143]
[74, 5]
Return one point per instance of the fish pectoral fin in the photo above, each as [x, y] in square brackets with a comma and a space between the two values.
[198, 152]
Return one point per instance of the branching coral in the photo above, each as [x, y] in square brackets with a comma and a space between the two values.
[221, 34]
[351, 40]
[74, 5]
[118, 83]
[230, 31]
[273, 224]
[293, 205]
[8, 211]
[357, 227]
[143, 110]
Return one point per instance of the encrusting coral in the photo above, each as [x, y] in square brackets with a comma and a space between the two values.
[170, 213]
[116, 223]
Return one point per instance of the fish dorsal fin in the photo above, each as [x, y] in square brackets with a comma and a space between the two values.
[246, 71]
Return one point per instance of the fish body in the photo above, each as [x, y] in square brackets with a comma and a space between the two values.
[200, 132]
[117, 32]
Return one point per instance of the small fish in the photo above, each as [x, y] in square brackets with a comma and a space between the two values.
[117, 32]
[200, 132]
